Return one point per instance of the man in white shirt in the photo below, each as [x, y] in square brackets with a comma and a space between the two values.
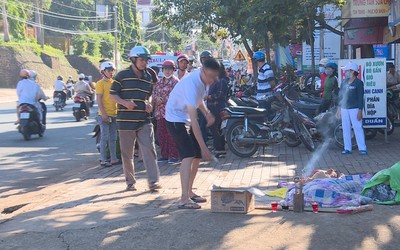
[59, 87]
[181, 111]
[28, 91]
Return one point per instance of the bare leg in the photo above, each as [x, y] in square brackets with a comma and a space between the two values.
[195, 168]
[185, 173]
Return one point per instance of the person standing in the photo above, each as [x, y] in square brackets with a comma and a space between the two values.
[265, 81]
[351, 103]
[331, 87]
[392, 77]
[160, 97]
[182, 61]
[216, 102]
[107, 118]
[322, 75]
[132, 89]
[181, 115]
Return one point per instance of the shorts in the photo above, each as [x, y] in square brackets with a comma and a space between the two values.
[185, 140]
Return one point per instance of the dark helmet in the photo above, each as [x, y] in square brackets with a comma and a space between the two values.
[205, 54]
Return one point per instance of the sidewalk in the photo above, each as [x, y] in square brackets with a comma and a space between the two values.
[10, 95]
[92, 210]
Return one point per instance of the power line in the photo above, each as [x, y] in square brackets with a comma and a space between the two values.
[56, 14]
[74, 8]
[60, 30]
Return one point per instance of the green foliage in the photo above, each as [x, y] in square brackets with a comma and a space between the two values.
[32, 46]
[107, 46]
[128, 26]
[80, 45]
[93, 45]
[16, 28]
[153, 46]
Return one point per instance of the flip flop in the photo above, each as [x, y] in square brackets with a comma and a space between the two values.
[198, 199]
[189, 205]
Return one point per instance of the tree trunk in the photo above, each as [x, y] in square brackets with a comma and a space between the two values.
[267, 48]
[250, 52]
[312, 43]
[5, 23]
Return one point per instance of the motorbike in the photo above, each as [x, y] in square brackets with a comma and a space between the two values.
[58, 101]
[248, 128]
[81, 108]
[30, 122]
[70, 91]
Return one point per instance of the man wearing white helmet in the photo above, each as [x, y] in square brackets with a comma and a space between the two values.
[81, 87]
[132, 89]
[107, 118]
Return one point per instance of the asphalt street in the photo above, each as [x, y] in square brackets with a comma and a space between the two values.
[66, 149]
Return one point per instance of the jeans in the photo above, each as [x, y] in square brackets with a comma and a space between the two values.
[145, 138]
[108, 134]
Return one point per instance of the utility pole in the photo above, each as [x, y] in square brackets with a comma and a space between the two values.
[321, 44]
[41, 24]
[5, 22]
[116, 36]
[163, 38]
[39, 21]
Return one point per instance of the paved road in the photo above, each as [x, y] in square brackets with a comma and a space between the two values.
[72, 203]
[27, 166]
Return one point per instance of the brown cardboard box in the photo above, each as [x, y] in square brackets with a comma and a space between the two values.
[231, 200]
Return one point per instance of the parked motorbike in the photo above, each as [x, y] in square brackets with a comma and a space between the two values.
[81, 108]
[30, 123]
[58, 101]
[247, 128]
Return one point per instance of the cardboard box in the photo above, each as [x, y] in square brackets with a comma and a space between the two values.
[231, 200]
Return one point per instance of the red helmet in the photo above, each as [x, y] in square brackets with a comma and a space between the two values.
[182, 57]
[168, 64]
[24, 73]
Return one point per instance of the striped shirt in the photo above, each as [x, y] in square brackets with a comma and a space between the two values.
[130, 87]
[265, 76]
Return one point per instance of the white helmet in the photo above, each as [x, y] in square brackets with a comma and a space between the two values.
[140, 51]
[107, 65]
[323, 61]
[33, 75]
[81, 76]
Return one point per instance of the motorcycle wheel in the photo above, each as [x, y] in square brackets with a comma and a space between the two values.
[306, 138]
[26, 133]
[309, 84]
[292, 141]
[242, 151]
[338, 135]
[389, 127]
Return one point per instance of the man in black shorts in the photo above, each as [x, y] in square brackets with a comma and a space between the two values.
[181, 115]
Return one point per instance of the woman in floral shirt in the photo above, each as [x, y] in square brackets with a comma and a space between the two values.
[160, 97]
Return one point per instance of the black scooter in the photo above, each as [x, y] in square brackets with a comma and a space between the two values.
[30, 122]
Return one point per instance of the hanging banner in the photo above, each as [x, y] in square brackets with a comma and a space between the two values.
[364, 8]
[373, 73]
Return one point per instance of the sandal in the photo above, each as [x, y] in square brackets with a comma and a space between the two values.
[189, 205]
[105, 164]
[198, 199]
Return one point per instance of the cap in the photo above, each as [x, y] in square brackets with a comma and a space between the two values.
[351, 66]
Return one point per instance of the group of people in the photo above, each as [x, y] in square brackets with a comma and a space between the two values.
[83, 87]
[129, 99]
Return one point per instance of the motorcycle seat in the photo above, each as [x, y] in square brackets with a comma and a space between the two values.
[249, 110]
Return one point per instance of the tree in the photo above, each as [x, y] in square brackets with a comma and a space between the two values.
[153, 46]
[17, 27]
[255, 23]
[128, 25]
